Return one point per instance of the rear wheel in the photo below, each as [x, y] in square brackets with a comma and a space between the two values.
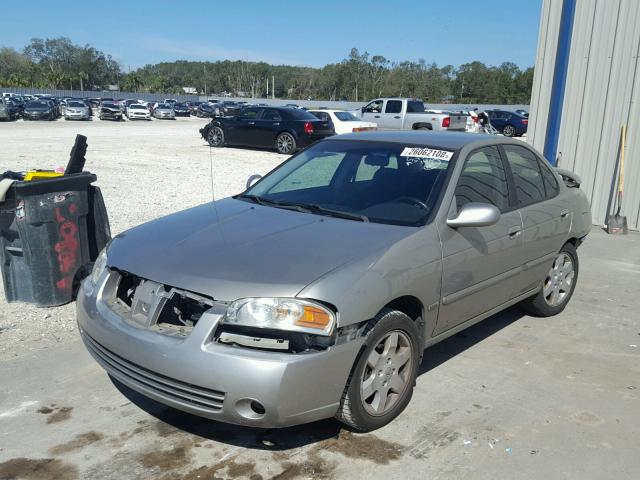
[215, 137]
[285, 143]
[381, 382]
[558, 285]
[509, 131]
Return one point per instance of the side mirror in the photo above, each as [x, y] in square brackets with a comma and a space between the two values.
[475, 215]
[252, 180]
[362, 109]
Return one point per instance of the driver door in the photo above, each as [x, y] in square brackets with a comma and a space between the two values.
[373, 111]
[480, 264]
[242, 129]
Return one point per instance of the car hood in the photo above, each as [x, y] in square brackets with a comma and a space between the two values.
[236, 249]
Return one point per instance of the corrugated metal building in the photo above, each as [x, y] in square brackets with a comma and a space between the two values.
[586, 86]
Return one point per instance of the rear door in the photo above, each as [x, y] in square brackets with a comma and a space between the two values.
[546, 217]
[480, 264]
[267, 126]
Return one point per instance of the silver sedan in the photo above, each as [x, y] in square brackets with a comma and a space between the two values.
[316, 291]
[164, 111]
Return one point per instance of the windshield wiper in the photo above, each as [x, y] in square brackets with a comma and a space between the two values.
[315, 208]
[304, 207]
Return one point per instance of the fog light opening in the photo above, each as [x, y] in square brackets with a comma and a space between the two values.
[257, 407]
[250, 408]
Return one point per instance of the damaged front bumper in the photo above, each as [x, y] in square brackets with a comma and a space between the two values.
[195, 373]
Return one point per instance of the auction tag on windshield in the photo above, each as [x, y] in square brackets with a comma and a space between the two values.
[421, 152]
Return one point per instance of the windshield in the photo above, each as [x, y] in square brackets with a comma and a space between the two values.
[38, 105]
[135, 106]
[346, 117]
[110, 105]
[368, 181]
[75, 104]
[164, 105]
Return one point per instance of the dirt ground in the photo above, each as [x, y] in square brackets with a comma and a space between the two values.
[145, 170]
[513, 397]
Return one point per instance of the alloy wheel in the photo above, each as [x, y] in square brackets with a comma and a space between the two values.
[387, 373]
[285, 143]
[559, 281]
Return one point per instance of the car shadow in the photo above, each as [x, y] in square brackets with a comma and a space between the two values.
[171, 420]
[467, 338]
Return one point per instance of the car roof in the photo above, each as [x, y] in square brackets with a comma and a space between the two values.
[447, 140]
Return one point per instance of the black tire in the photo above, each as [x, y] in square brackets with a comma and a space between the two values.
[286, 143]
[215, 136]
[352, 411]
[509, 131]
[540, 305]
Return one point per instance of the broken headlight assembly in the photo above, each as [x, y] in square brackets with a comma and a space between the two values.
[99, 266]
[288, 314]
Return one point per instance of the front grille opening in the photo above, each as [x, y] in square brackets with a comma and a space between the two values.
[183, 311]
[127, 288]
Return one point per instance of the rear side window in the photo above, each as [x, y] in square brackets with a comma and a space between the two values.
[526, 174]
[414, 106]
[393, 106]
[272, 115]
[483, 180]
[550, 181]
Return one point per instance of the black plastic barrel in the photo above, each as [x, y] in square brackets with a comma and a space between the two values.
[49, 230]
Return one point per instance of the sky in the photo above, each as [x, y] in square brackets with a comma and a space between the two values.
[310, 33]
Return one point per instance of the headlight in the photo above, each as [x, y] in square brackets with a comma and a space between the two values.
[281, 314]
[98, 267]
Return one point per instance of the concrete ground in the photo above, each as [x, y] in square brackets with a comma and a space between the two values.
[512, 397]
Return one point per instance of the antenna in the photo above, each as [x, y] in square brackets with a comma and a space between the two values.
[213, 193]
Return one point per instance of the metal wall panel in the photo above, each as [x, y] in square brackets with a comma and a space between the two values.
[601, 94]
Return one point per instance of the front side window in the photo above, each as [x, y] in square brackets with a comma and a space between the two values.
[365, 178]
[526, 174]
[393, 106]
[483, 180]
[374, 107]
[250, 114]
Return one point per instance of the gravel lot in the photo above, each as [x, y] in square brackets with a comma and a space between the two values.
[145, 170]
[511, 397]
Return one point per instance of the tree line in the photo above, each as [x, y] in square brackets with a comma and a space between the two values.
[60, 64]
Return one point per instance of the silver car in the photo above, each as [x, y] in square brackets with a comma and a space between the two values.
[315, 292]
[76, 110]
[164, 110]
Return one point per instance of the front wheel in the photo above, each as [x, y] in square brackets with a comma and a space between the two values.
[215, 137]
[558, 285]
[509, 131]
[285, 143]
[381, 382]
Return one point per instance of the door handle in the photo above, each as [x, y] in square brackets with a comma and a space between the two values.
[376, 116]
[252, 123]
[514, 232]
[277, 123]
[564, 213]
[397, 116]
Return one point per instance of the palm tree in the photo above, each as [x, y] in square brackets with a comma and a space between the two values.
[82, 76]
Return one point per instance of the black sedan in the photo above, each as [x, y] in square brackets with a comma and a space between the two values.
[285, 129]
[40, 110]
[181, 109]
[208, 110]
[110, 111]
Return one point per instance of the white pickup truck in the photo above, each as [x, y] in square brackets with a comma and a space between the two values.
[408, 114]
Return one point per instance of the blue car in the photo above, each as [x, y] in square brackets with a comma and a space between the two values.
[510, 124]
